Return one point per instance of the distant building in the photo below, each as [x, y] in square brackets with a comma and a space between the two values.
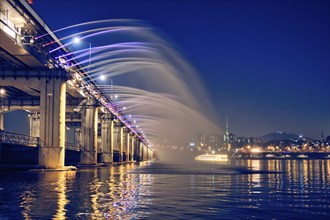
[206, 142]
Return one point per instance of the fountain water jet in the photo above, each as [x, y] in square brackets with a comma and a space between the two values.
[156, 86]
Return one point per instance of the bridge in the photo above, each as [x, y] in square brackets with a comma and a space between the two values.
[283, 155]
[57, 97]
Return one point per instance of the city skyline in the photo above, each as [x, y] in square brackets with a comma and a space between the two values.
[265, 64]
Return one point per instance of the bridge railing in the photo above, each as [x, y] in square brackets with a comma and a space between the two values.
[13, 138]
[72, 146]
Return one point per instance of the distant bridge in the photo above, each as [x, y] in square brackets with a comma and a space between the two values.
[57, 97]
[283, 155]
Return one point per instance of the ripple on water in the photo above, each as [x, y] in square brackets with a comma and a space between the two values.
[128, 192]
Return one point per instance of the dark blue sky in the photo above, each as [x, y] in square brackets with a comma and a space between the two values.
[266, 64]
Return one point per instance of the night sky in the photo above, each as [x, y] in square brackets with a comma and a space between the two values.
[266, 64]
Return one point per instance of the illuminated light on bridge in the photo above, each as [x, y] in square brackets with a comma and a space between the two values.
[102, 77]
[2, 91]
[255, 150]
[76, 40]
[93, 92]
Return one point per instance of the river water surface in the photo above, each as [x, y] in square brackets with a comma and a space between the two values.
[241, 189]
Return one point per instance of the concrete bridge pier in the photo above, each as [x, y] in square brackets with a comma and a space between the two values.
[1, 128]
[89, 125]
[131, 150]
[127, 144]
[121, 143]
[34, 124]
[107, 126]
[2, 121]
[141, 151]
[148, 153]
[52, 122]
[145, 152]
[118, 142]
[137, 150]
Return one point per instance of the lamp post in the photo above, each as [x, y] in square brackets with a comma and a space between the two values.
[103, 78]
[77, 40]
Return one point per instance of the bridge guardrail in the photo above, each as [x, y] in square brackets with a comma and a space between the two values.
[13, 138]
[72, 146]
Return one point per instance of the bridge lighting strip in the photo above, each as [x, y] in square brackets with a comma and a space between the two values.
[95, 93]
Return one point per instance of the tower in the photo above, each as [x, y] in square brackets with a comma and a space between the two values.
[227, 132]
[226, 136]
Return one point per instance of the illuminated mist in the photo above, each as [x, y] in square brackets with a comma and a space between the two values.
[143, 74]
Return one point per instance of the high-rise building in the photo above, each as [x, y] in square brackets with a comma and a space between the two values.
[226, 136]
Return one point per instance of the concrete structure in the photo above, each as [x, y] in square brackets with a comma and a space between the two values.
[57, 97]
[107, 126]
[1, 121]
[52, 122]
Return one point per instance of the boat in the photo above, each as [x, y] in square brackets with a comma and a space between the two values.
[212, 157]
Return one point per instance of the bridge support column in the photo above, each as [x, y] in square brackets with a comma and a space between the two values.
[107, 140]
[2, 127]
[138, 143]
[115, 140]
[112, 139]
[89, 123]
[128, 143]
[121, 143]
[52, 123]
[131, 157]
[34, 124]
[141, 151]
[137, 150]
[147, 153]
[151, 154]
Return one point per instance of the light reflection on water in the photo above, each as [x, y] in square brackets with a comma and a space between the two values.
[281, 189]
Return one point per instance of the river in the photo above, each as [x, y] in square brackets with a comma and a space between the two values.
[237, 189]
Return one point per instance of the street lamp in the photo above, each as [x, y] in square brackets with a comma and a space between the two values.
[77, 40]
[102, 77]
